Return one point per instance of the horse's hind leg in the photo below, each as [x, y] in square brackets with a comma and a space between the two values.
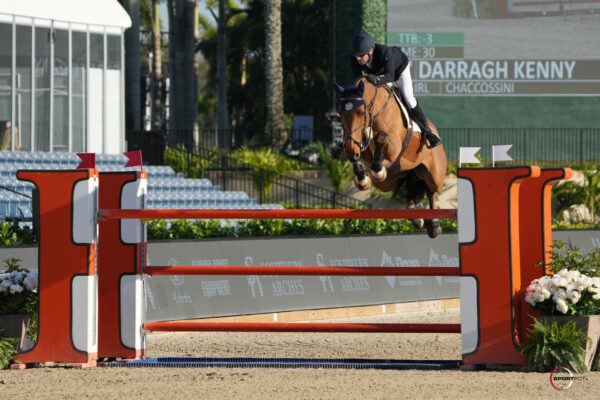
[433, 225]
[415, 190]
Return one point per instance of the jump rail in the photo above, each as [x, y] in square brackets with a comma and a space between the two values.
[111, 214]
[310, 271]
[196, 326]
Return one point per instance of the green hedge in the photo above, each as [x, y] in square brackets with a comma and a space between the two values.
[201, 229]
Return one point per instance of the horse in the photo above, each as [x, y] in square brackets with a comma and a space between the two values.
[378, 133]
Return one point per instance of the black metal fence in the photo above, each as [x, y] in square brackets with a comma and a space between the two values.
[266, 186]
[540, 146]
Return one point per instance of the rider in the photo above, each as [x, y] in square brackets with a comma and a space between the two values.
[387, 64]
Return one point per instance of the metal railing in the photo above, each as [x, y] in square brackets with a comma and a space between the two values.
[543, 146]
[268, 187]
[540, 146]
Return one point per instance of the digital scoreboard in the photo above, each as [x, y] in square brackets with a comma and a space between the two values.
[438, 67]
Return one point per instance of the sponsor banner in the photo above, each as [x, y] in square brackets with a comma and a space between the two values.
[179, 297]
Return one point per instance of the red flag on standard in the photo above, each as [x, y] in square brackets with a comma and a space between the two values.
[88, 161]
[135, 158]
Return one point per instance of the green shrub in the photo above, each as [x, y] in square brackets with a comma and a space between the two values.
[11, 234]
[572, 258]
[338, 168]
[193, 166]
[7, 350]
[200, 229]
[266, 165]
[554, 345]
[587, 193]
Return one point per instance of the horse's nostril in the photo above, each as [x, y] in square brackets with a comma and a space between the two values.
[356, 156]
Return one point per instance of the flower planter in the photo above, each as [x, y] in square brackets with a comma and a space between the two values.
[590, 324]
[15, 326]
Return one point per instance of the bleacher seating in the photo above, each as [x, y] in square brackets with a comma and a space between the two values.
[166, 188]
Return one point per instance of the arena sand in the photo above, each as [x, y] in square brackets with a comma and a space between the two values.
[257, 383]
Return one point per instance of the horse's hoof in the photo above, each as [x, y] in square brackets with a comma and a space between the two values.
[418, 223]
[364, 184]
[379, 176]
[433, 227]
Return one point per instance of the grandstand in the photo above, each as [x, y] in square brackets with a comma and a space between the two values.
[166, 188]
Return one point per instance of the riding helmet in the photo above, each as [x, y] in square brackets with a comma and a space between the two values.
[361, 43]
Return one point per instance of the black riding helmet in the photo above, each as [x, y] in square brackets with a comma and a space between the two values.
[361, 43]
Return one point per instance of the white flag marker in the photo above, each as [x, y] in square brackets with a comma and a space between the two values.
[467, 155]
[500, 153]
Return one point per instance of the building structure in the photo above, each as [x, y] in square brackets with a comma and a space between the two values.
[62, 75]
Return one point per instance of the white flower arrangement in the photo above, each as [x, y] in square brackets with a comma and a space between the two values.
[568, 291]
[15, 281]
[18, 289]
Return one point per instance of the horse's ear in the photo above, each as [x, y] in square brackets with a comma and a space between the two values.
[361, 87]
[339, 89]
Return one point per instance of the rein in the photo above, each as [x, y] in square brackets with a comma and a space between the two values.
[369, 118]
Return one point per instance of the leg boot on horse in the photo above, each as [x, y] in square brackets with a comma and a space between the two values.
[418, 115]
[378, 171]
[361, 180]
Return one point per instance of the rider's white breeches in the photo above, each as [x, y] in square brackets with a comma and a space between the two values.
[406, 87]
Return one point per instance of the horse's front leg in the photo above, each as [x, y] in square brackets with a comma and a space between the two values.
[378, 171]
[361, 180]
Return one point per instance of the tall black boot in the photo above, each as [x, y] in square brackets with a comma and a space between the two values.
[418, 115]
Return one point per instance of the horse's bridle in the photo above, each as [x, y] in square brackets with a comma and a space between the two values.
[368, 119]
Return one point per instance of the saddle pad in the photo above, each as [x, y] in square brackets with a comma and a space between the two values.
[416, 127]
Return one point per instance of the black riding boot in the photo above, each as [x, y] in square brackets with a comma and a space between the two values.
[419, 116]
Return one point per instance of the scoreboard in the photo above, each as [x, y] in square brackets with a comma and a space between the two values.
[438, 67]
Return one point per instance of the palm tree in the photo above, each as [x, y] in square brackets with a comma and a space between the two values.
[133, 91]
[274, 73]
[183, 90]
[156, 80]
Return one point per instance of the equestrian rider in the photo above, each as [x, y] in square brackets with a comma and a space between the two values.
[387, 64]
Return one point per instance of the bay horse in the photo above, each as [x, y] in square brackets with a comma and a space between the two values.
[378, 133]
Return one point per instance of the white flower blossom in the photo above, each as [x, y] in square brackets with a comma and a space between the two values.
[546, 293]
[561, 306]
[559, 294]
[16, 289]
[529, 298]
[573, 296]
[563, 272]
[573, 275]
[559, 281]
[31, 281]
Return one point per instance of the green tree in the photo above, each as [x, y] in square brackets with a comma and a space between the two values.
[586, 192]
[304, 52]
